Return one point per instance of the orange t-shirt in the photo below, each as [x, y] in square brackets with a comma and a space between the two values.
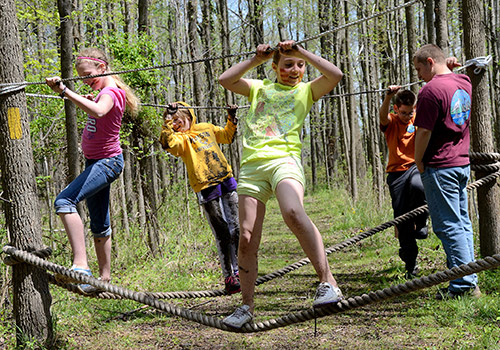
[401, 143]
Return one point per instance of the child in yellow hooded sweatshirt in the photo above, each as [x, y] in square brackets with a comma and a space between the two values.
[210, 176]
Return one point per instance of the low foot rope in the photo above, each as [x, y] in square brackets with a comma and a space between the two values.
[115, 292]
[298, 317]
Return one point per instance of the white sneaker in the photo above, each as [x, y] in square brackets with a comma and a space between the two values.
[239, 317]
[327, 294]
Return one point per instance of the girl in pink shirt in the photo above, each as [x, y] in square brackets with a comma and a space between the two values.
[103, 161]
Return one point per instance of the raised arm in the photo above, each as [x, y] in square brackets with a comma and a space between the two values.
[232, 79]
[331, 74]
[86, 103]
[383, 112]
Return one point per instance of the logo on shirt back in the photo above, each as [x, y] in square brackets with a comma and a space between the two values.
[410, 128]
[460, 107]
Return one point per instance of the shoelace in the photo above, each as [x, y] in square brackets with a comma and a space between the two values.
[322, 290]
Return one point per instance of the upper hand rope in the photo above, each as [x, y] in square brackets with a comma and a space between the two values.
[174, 64]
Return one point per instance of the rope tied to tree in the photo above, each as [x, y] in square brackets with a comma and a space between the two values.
[481, 62]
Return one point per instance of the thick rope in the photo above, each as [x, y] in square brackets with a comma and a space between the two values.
[302, 316]
[491, 156]
[41, 253]
[294, 266]
[351, 241]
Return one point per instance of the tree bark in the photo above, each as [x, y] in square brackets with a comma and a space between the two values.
[142, 25]
[429, 22]
[31, 295]
[72, 137]
[442, 25]
[351, 114]
[255, 10]
[411, 45]
[488, 196]
[192, 13]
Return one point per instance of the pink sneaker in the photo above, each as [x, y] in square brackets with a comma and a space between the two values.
[232, 285]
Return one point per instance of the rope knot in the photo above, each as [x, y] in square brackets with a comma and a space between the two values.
[480, 62]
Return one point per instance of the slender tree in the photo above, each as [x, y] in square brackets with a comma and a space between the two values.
[411, 43]
[72, 136]
[429, 22]
[441, 24]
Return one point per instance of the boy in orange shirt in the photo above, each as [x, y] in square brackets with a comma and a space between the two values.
[403, 178]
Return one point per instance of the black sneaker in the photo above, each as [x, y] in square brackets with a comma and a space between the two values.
[412, 273]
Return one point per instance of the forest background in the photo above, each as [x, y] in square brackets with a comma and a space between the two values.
[152, 204]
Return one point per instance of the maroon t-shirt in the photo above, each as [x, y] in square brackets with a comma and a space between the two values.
[443, 106]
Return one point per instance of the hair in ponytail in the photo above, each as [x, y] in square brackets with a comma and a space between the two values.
[97, 57]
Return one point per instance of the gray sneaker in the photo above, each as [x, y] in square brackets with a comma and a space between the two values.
[327, 294]
[239, 317]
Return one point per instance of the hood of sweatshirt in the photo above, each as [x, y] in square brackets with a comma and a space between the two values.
[191, 112]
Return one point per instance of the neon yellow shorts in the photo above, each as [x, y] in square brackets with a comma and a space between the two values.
[259, 179]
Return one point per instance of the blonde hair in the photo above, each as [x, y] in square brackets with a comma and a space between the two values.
[96, 57]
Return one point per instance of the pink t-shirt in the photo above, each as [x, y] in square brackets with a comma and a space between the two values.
[101, 136]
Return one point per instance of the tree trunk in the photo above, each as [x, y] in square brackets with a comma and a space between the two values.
[494, 45]
[192, 13]
[351, 114]
[442, 25]
[411, 45]
[371, 131]
[429, 23]
[127, 27]
[142, 25]
[488, 195]
[72, 137]
[224, 39]
[31, 295]
[206, 29]
[148, 180]
[255, 11]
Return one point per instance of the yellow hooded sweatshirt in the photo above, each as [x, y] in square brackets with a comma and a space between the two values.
[198, 147]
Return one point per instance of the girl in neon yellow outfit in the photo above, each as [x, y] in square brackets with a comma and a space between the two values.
[271, 161]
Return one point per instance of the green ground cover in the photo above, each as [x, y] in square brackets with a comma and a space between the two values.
[189, 262]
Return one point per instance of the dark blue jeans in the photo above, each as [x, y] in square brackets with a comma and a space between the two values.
[93, 184]
[407, 193]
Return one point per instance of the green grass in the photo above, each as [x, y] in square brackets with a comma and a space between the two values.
[189, 262]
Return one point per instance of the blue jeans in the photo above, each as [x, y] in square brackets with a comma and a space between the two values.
[93, 184]
[446, 193]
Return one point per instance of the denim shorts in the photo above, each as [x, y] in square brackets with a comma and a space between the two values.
[259, 179]
[93, 184]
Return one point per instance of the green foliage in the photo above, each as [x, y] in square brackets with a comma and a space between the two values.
[128, 54]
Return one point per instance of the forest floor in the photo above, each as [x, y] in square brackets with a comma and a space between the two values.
[412, 321]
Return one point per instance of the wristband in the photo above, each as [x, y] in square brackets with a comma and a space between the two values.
[63, 92]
